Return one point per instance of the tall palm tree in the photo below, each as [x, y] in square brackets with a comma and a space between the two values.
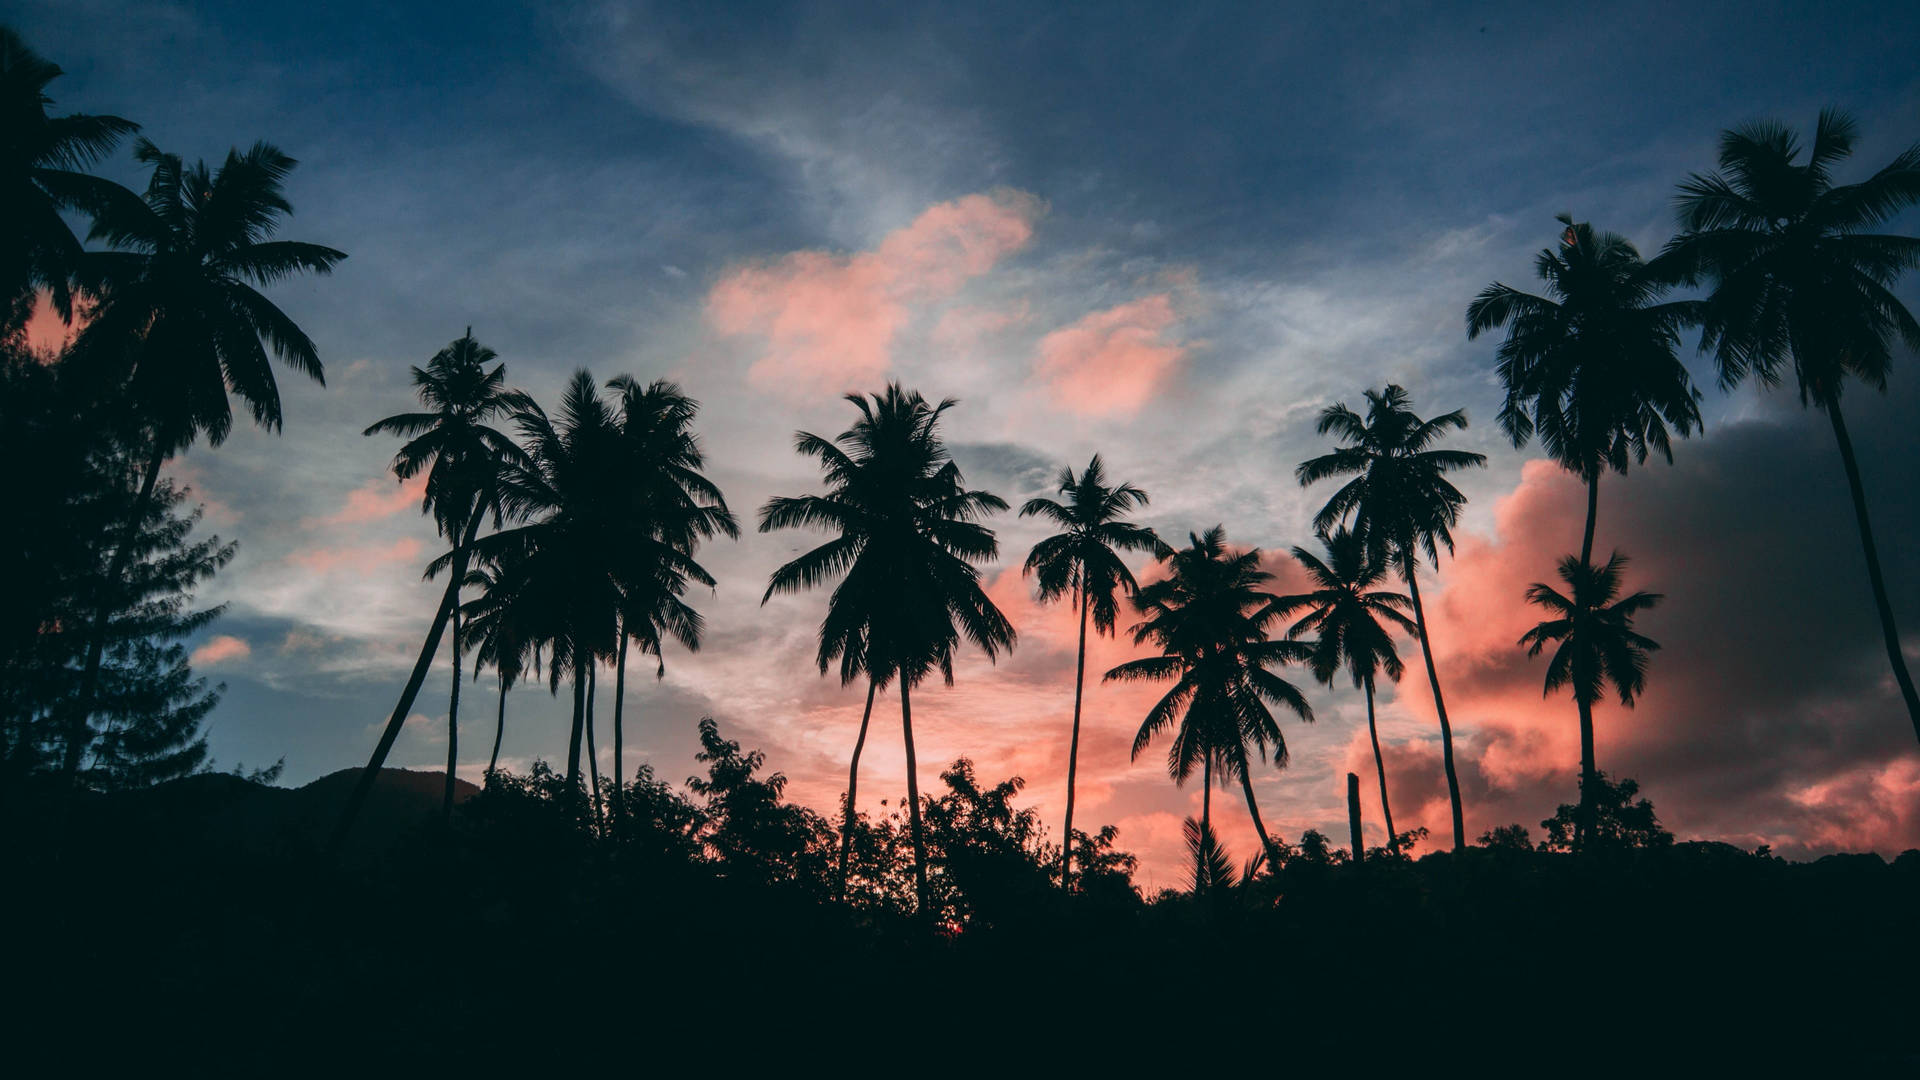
[498, 641]
[1403, 507]
[1594, 626]
[463, 457]
[41, 163]
[908, 534]
[1210, 617]
[180, 323]
[1084, 560]
[1593, 366]
[1798, 279]
[1344, 612]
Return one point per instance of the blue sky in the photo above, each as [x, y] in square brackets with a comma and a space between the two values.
[1280, 204]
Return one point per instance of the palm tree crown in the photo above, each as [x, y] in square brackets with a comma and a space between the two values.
[1345, 612]
[1084, 558]
[1594, 625]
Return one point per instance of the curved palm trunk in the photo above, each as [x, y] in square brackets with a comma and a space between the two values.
[1589, 779]
[453, 715]
[79, 734]
[618, 793]
[499, 731]
[1888, 631]
[593, 755]
[853, 787]
[913, 803]
[1073, 745]
[1380, 767]
[1260, 827]
[1439, 704]
[579, 725]
[428, 650]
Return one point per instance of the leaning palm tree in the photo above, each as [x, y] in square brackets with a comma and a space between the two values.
[1085, 561]
[1403, 507]
[1344, 612]
[907, 535]
[463, 458]
[41, 163]
[1798, 279]
[1594, 626]
[1210, 618]
[1592, 367]
[181, 325]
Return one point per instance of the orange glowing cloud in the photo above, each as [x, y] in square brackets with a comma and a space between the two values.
[1111, 362]
[326, 560]
[830, 320]
[220, 649]
[374, 500]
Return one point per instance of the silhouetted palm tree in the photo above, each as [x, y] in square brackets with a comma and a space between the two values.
[1798, 279]
[1344, 613]
[1402, 506]
[908, 532]
[1592, 367]
[1594, 627]
[41, 158]
[180, 323]
[498, 640]
[1085, 560]
[1210, 618]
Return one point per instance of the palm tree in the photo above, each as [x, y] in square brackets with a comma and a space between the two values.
[180, 324]
[1592, 367]
[1210, 618]
[1345, 612]
[908, 534]
[1798, 279]
[1594, 627]
[1085, 560]
[498, 641]
[1403, 507]
[463, 457]
[41, 158]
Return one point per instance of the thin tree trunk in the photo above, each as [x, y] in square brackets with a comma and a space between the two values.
[1593, 513]
[913, 802]
[1073, 745]
[1260, 827]
[428, 650]
[1380, 767]
[78, 729]
[1439, 704]
[1589, 779]
[1206, 791]
[1353, 818]
[593, 755]
[499, 731]
[579, 724]
[619, 734]
[453, 714]
[1888, 631]
[853, 786]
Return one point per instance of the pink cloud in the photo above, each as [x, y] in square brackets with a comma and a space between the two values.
[830, 320]
[1111, 362]
[220, 649]
[961, 328]
[374, 500]
[325, 560]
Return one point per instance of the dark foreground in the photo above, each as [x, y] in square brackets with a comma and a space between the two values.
[199, 925]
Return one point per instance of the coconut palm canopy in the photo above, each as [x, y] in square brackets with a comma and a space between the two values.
[765, 212]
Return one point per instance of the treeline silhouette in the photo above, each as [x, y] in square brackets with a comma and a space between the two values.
[574, 536]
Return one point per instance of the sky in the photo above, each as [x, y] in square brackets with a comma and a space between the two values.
[1169, 234]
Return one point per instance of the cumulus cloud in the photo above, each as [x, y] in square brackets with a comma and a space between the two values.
[374, 500]
[325, 560]
[220, 649]
[1111, 362]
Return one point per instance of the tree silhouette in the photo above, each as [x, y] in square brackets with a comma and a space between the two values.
[1084, 559]
[1597, 646]
[1402, 507]
[1210, 618]
[42, 159]
[907, 535]
[1797, 279]
[498, 641]
[1591, 367]
[1344, 613]
[463, 458]
[180, 324]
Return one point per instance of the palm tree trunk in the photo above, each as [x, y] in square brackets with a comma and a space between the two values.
[1260, 827]
[453, 715]
[1353, 819]
[78, 732]
[499, 731]
[619, 734]
[853, 787]
[1073, 745]
[1589, 779]
[1439, 704]
[1380, 767]
[1593, 513]
[1887, 629]
[579, 724]
[593, 755]
[913, 803]
[1206, 791]
[428, 650]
